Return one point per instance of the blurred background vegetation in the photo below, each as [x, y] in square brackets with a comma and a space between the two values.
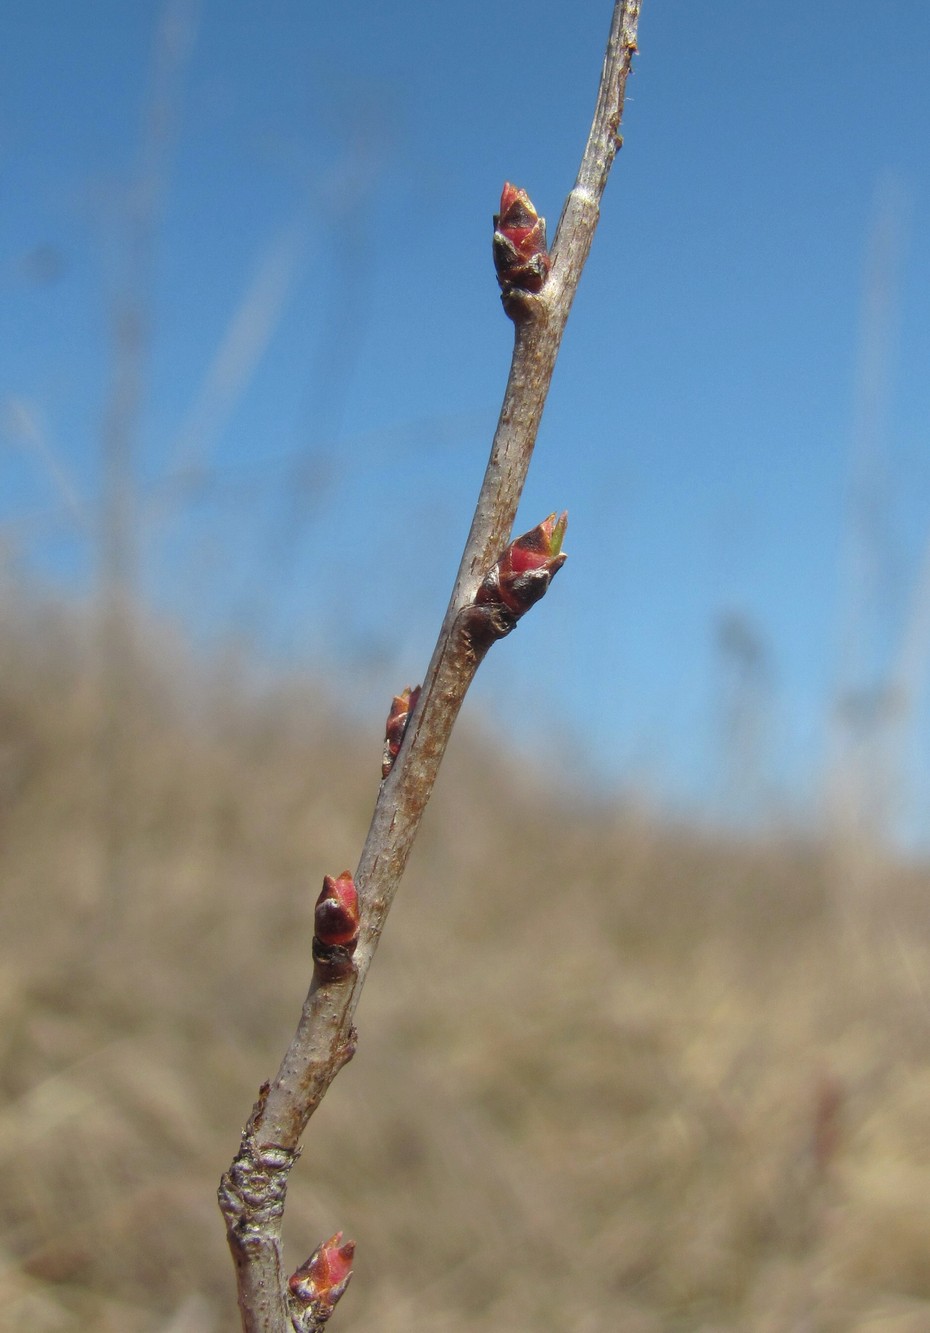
[613, 1073]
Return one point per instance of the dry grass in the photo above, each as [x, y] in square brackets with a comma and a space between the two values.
[611, 1076]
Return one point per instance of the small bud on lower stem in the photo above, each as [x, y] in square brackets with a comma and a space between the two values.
[402, 705]
[321, 1281]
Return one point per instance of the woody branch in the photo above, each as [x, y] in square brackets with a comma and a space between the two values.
[495, 584]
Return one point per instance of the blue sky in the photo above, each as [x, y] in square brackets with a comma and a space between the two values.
[738, 422]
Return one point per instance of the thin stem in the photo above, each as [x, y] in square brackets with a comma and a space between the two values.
[252, 1192]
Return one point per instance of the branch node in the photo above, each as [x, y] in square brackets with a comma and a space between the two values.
[253, 1190]
[523, 307]
[480, 626]
[332, 962]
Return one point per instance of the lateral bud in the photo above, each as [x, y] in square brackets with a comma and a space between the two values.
[524, 571]
[402, 705]
[517, 580]
[336, 926]
[521, 258]
[318, 1284]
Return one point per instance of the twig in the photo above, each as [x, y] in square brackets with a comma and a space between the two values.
[252, 1192]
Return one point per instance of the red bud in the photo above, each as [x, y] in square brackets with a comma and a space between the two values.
[520, 255]
[322, 1280]
[523, 573]
[336, 919]
[540, 547]
[402, 705]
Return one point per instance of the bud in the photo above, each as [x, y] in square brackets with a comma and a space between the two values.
[321, 1281]
[520, 255]
[335, 919]
[527, 567]
[335, 925]
[402, 705]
